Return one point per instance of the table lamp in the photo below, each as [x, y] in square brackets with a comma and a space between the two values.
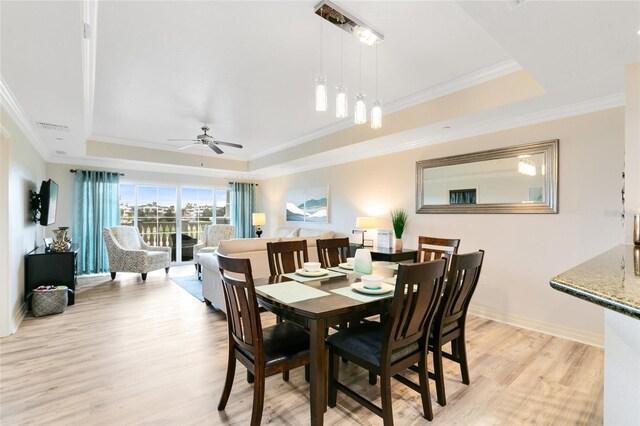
[362, 224]
[258, 219]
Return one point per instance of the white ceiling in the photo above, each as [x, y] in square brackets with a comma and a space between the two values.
[164, 68]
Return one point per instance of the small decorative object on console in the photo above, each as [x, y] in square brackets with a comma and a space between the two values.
[399, 218]
[60, 243]
[385, 237]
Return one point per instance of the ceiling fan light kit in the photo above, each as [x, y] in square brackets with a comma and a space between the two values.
[365, 34]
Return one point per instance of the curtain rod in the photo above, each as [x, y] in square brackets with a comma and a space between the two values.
[74, 170]
[244, 182]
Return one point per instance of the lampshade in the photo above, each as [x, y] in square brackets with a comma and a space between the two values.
[365, 222]
[258, 219]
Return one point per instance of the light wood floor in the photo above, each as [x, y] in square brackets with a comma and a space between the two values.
[133, 353]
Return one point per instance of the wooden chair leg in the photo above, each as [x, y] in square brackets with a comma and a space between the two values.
[113, 275]
[439, 374]
[334, 370]
[285, 376]
[307, 373]
[424, 388]
[228, 383]
[258, 398]
[166, 270]
[373, 378]
[385, 393]
[462, 355]
[250, 378]
[144, 276]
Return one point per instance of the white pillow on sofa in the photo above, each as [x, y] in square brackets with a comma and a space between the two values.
[310, 232]
[287, 232]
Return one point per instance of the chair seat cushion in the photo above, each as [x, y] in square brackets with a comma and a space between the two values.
[283, 342]
[364, 341]
[446, 329]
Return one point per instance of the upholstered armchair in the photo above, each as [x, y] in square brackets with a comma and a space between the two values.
[128, 252]
[211, 237]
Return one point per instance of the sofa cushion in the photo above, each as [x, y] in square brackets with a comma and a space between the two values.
[309, 232]
[241, 245]
[287, 232]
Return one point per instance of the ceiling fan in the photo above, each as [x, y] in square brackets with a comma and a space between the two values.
[207, 140]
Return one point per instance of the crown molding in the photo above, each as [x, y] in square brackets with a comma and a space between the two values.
[12, 106]
[482, 128]
[147, 167]
[455, 85]
[89, 41]
[160, 147]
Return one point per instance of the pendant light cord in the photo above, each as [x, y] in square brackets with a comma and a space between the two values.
[341, 56]
[360, 72]
[376, 71]
[321, 19]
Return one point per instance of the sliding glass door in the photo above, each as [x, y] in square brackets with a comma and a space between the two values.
[152, 209]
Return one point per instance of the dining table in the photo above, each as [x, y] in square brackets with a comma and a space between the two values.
[318, 303]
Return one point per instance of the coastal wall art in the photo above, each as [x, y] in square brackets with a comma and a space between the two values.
[308, 205]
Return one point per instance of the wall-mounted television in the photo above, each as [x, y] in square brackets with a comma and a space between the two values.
[48, 202]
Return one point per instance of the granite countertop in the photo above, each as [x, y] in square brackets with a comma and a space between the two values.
[611, 279]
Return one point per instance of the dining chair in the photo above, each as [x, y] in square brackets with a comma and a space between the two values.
[388, 348]
[264, 352]
[431, 248]
[449, 322]
[332, 251]
[287, 256]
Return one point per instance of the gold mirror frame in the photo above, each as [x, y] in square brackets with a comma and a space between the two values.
[548, 148]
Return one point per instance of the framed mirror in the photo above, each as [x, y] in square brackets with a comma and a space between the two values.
[517, 179]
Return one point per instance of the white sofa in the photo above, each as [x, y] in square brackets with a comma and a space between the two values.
[254, 249]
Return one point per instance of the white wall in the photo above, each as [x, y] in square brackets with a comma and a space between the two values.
[523, 252]
[26, 172]
[65, 179]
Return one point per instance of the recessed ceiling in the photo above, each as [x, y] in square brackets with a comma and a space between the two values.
[246, 69]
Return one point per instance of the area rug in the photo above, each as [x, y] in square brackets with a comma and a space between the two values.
[191, 284]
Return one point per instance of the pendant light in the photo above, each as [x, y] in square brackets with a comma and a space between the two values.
[360, 110]
[376, 107]
[342, 106]
[321, 79]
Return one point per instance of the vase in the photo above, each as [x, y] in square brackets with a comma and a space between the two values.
[66, 233]
[398, 245]
[59, 243]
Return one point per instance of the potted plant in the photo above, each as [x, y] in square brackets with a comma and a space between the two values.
[399, 219]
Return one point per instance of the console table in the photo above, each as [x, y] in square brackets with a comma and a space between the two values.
[387, 254]
[51, 268]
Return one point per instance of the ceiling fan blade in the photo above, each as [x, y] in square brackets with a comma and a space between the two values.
[235, 145]
[187, 146]
[182, 140]
[215, 149]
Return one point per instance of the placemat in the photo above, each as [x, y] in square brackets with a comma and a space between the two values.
[349, 292]
[291, 292]
[303, 279]
[342, 270]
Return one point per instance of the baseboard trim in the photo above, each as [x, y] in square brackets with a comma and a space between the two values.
[576, 335]
[18, 316]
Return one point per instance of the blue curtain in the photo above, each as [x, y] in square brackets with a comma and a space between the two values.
[242, 206]
[95, 206]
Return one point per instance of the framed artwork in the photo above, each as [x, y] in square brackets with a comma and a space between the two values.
[308, 205]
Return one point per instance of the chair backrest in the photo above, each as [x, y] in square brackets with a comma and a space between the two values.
[243, 315]
[333, 251]
[213, 234]
[431, 248]
[127, 237]
[462, 279]
[287, 256]
[415, 303]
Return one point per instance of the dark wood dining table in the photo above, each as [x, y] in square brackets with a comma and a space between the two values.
[317, 315]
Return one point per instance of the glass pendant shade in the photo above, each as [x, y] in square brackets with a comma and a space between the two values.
[360, 110]
[376, 115]
[321, 92]
[342, 106]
